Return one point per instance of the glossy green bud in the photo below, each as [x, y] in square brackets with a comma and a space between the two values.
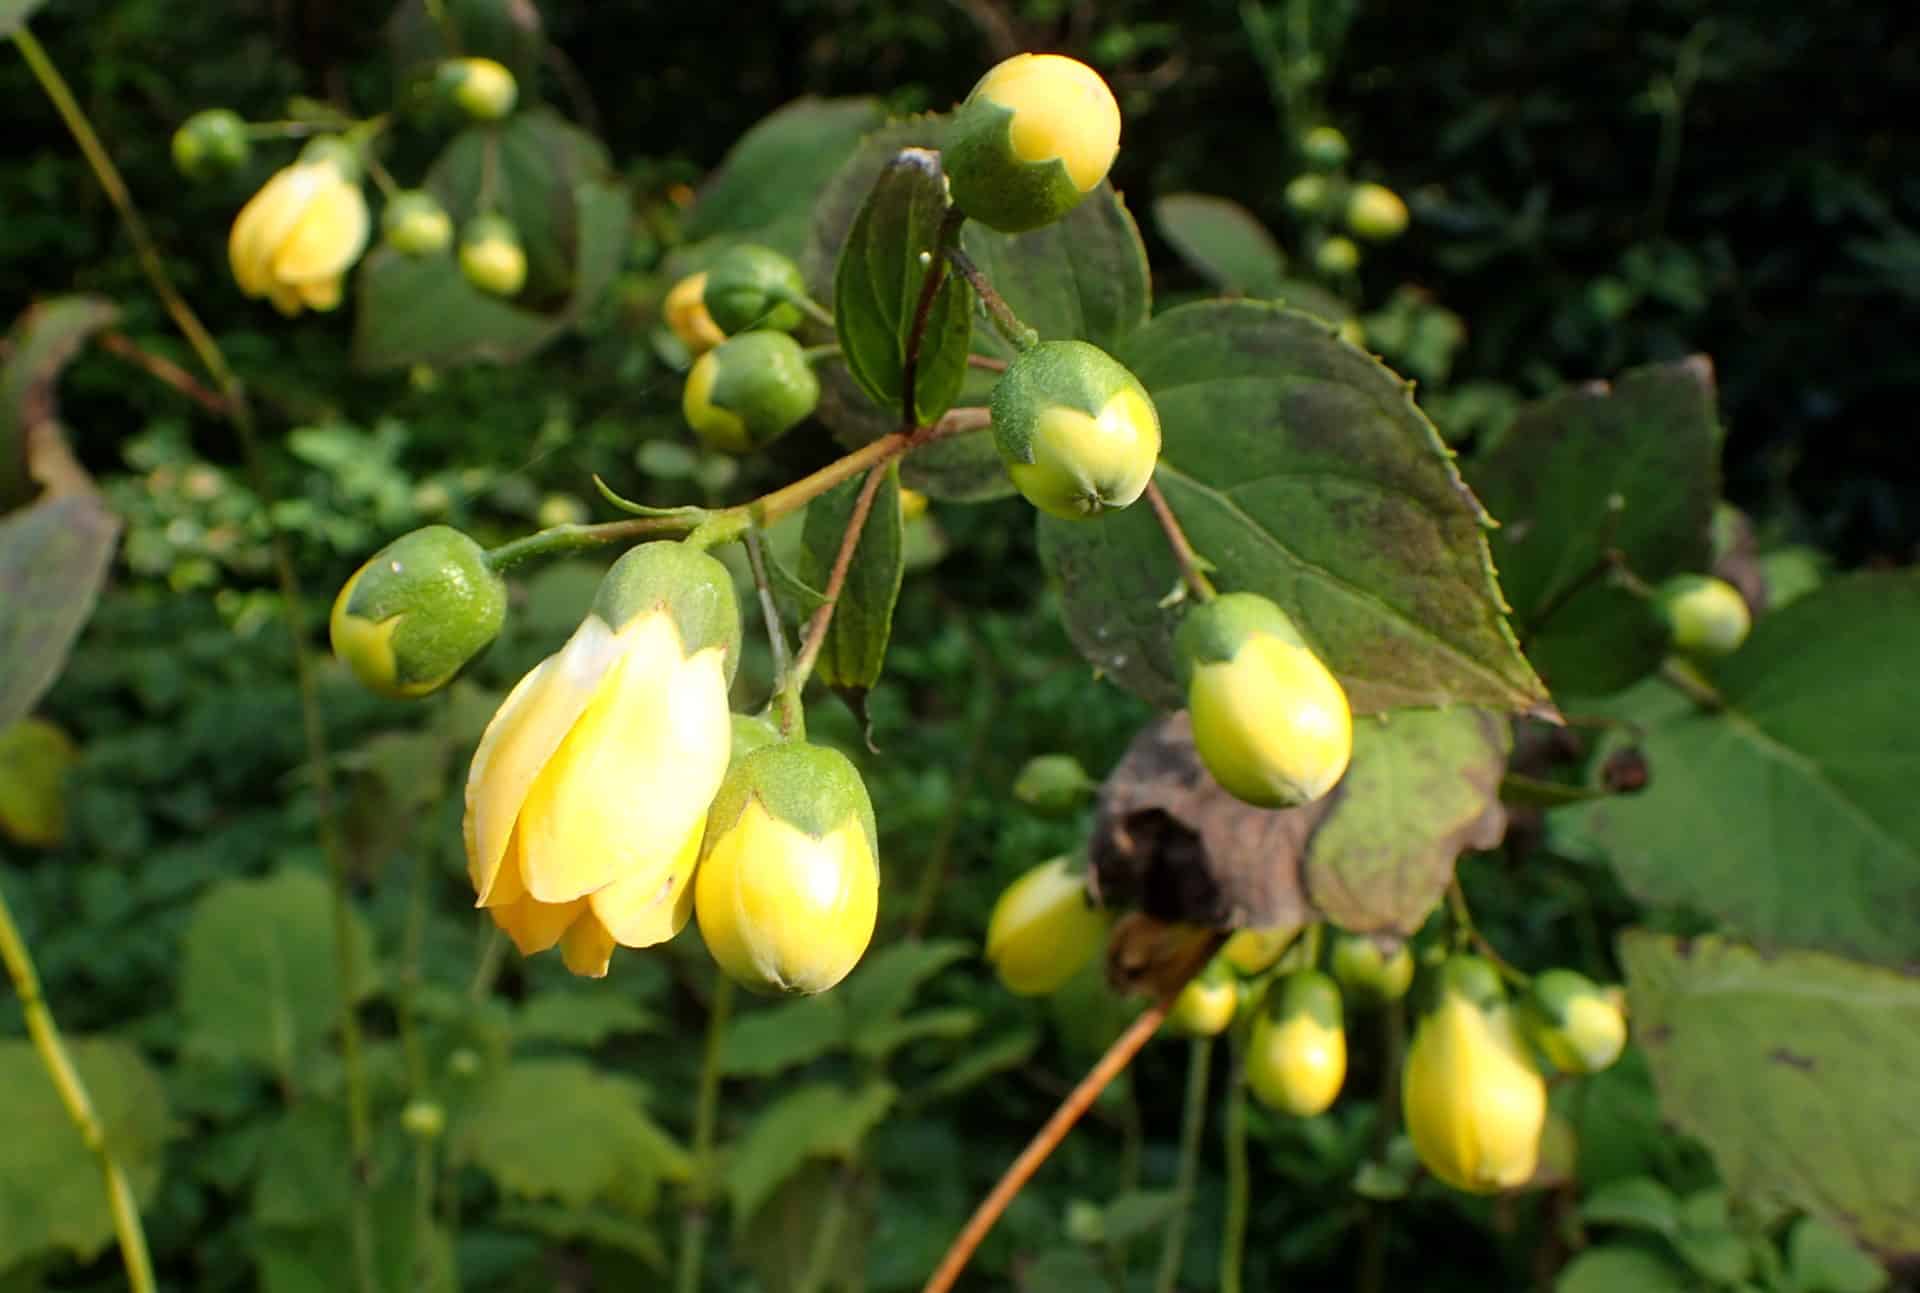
[750, 287]
[1206, 1006]
[788, 885]
[749, 391]
[1077, 431]
[1253, 951]
[1368, 972]
[1054, 784]
[1376, 212]
[1034, 137]
[211, 142]
[1704, 615]
[1308, 194]
[491, 257]
[1337, 256]
[1297, 1054]
[1574, 1022]
[415, 224]
[479, 87]
[1325, 147]
[1269, 721]
[1043, 929]
[418, 612]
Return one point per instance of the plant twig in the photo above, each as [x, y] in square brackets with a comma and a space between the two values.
[1193, 1121]
[922, 311]
[1184, 556]
[816, 634]
[1233, 1233]
[1017, 334]
[162, 369]
[697, 1214]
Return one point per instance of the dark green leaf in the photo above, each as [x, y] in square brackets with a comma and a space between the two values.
[764, 189]
[886, 981]
[823, 1121]
[1300, 468]
[1632, 467]
[764, 1042]
[1823, 1260]
[601, 1227]
[580, 1018]
[1636, 1201]
[1135, 1213]
[303, 1168]
[1620, 1269]
[1795, 1069]
[878, 1040]
[981, 1062]
[1222, 240]
[54, 557]
[856, 644]
[1064, 1270]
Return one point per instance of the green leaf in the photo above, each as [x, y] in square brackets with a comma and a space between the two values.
[1301, 470]
[42, 343]
[778, 1244]
[13, 16]
[1821, 1259]
[1789, 813]
[821, 1121]
[988, 1059]
[303, 1168]
[764, 1042]
[1795, 1069]
[52, 1195]
[1222, 240]
[601, 1227]
[561, 1129]
[580, 1018]
[1065, 1270]
[886, 981]
[1423, 787]
[765, 187]
[856, 644]
[259, 982]
[1632, 467]
[1639, 1202]
[880, 1039]
[1136, 1212]
[1620, 1269]
[54, 557]
[895, 243]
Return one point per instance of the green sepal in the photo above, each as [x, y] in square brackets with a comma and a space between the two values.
[750, 287]
[1471, 978]
[343, 156]
[812, 788]
[1213, 632]
[689, 585]
[1306, 992]
[1054, 374]
[989, 180]
[750, 733]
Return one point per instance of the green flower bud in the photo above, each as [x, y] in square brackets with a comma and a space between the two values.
[479, 87]
[1206, 1006]
[1308, 194]
[1368, 972]
[1044, 929]
[491, 257]
[752, 287]
[1054, 784]
[1035, 136]
[415, 224]
[1297, 1054]
[1705, 615]
[1325, 147]
[423, 1120]
[1253, 951]
[1077, 431]
[464, 1062]
[1471, 978]
[689, 585]
[1376, 212]
[1575, 1023]
[749, 391]
[418, 612]
[788, 885]
[211, 142]
[1337, 256]
[1269, 721]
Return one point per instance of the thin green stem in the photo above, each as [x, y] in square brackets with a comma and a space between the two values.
[826, 1238]
[493, 953]
[698, 1213]
[1193, 1122]
[809, 307]
[821, 354]
[1017, 334]
[1233, 1234]
[47, 1042]
[1467, 934]
[792, 720]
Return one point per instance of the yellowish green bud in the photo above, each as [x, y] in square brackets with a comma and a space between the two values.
[295, 239]
[211, 142]
[1308, 194]
[1253, 951]
[418, 612]
[1471, 977]
[1269, 721]
[423, 1120]
[749, 391]
[1325, 147]
[1376, 212]
[686, 311]
[1044, 929]
[1369, 972]
[1206, 1006]
[1574, 1022]
[1054, 784]
[1036, 135]
[415, 224]
[1077, 431]
[1706, 616]
[1474, 1103]
[1337, 256]
[788, 885]
[1297, 1055]
[491, 257]
[464, 1062]
[751, 287]
[479, 87]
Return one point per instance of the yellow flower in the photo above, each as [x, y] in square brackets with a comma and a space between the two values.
[1078, 433]
[1297, 1056]
[1474, 1103]
[686, 311]
[297, 237]
[1043, 929]
[588, 795]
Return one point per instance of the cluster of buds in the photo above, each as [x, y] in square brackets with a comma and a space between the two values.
[751, 382]
[1323, 196]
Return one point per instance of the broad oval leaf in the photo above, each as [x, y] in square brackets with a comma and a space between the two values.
[819, 1121]
[1222, 240]
[1300, 468]
[764, 189]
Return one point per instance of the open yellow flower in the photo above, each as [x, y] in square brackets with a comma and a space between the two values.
[588, 795]
[297, 237]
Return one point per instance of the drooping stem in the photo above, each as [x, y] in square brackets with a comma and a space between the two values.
[1467, 933]
[47, 1042]
[816, 635]
[1184, 556]
[697, 1215]
[1017, 334]
[1233, 1235]
[1193, 1121]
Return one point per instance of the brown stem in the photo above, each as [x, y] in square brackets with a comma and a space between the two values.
[987, 362]
[836, 580]
[1017, 334]
[1183, 554]
[165, 370]
[922, 311]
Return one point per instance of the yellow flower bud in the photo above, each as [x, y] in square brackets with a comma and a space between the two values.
[588, 795]
[479, 87]
[1375, 211]
[1325, 147]
[415, 224]
[1474, 1103]
[749, 391]
[491, 257]
[789, 882]
[686, 311]
[1307, 194]
[1297, 1055]
[1253, 951]
[1337, 256]
[1706, 616]
[1036, 135]
[1269, 721]
[295, 239]
[1077, 431]
[417, 613]
[1368, 972]
[1575, 1023]
[913, 504]
[211, 141]
[1206, 1006]
[1044, 929]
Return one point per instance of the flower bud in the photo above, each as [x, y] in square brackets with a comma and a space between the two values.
[415, 224]
[423, 1120]
[686, 312]
[1253, 951]
[1325, 147]
[788, 886]
[1573, 1022]
[1206, 1006]
[1044, 929]
[1705, 615]
[1376, 212]
[1077, 431]
[749, 391]
[211, 142]
[420, 609]
[1054, 784]
[479, 87]
[751, 287]
[1036, 135]
[1369, 973]
[1337, 256]
[1474, 1103]
[491, 257]
[1308, 194]
[1269, 721]
[1297, 1055]
[295, 239]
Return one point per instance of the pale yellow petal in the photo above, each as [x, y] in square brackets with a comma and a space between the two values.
[537, 926]
[266, 219]
[285, 299]
[642, 910]
[587, 947]
[329, 236]
[321, 293]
